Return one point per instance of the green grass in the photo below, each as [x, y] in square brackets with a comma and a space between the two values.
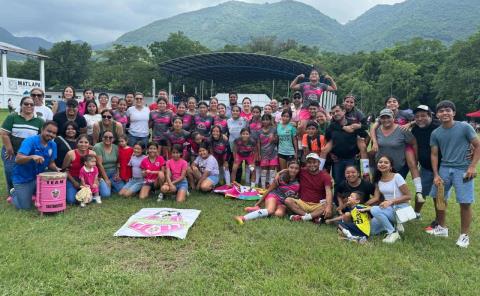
[76, 253]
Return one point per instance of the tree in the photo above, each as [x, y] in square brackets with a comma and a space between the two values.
[177, 45]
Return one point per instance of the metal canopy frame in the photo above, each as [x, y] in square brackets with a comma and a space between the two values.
[225, 67]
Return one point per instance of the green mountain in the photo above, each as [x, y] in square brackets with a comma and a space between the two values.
[236, 22]
[30, 43]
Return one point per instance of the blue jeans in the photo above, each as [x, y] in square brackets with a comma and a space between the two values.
[383, 219]
[105, 190]
[132, 140]
[22, 196]
[8, 165]
[453, 177]
[338, 170]
[71, 192]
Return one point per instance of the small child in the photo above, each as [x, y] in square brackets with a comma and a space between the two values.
[124, 154]
[203, 172]
[153, 169]
[178, 136]
[219, 149]
[135, 183]
[312, 141]
[176, 172]
[193, 145]
[244, 149]
[355, 222]
[267, 145]
[89, 178]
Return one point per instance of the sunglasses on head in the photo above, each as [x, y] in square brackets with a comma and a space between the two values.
[36, 95]
[107, 116]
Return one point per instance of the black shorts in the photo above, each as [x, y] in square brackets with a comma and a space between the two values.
[354, 230]
[286, 157]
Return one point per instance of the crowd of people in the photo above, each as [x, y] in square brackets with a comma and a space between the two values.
[316, 165]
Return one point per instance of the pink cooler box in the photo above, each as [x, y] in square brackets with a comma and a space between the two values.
[51, 192]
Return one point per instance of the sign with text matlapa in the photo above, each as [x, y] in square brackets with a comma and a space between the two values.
[151, 222]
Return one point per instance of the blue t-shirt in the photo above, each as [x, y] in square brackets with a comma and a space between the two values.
[23, 173]
[454, 144]
[285, 139]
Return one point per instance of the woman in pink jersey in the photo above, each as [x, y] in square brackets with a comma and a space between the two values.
[287, 185]
[312, 90]
[153, 167]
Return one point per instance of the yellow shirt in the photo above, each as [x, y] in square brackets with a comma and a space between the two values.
[361, 219]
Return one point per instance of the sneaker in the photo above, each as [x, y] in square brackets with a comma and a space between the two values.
[12, 190]
[82, 204]
[391, 238]
[400, 228]
[419, 197]
[10, 199]
[251, 209]
[160, 197]
[463, 241]
[440, 231]
[97, 199]
[429, 228]
[188, 193]
[239, 219]
[347, 233]
[419, 216]
[296, 218]
[318, 220]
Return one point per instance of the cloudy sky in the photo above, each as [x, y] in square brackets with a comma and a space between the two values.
[100, 21]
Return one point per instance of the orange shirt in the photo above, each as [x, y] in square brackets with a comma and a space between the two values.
[315, 145]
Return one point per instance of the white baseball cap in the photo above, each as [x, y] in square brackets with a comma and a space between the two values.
[313, 155]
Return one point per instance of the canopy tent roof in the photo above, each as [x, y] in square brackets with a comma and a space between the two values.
[15, 49]
[235, 66]
[474, 114]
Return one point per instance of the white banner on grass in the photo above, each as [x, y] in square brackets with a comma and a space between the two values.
[151, 222]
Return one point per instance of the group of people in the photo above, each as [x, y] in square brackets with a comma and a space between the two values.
[120, 145]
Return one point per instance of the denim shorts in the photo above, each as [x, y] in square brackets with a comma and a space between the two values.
[214, 179]
[427, 181]
[453, 177]
[134, 185]
[182, 185]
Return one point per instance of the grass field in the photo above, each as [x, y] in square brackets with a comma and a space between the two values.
[75, 253]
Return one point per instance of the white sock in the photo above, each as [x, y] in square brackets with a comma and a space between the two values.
[272, 176]
[307, 217]
[226, 175]
[263, 178]
[247, 174]
[365, 166]
[418, 184]
[322, 163]
[256, 214]
[258, 169]
[252, 184]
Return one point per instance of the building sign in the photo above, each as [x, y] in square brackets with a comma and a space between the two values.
[20, 87]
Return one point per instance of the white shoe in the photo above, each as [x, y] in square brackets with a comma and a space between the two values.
[419, 197]
[347, 233]
[391, 238]
[440, 231]
[188, 193]
[400, 228]
[463, 241]
[97, 199]
[160, 197]
[82, 205]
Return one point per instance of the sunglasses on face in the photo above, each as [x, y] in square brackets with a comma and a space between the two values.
[28, 104]
[138, 99]
[36, 95]
[108, 137]
[107, 116]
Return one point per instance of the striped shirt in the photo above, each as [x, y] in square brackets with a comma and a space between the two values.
[19, 128]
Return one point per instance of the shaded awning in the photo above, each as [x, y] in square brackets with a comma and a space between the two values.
[234, 66]
[474, 114]
[15, 49]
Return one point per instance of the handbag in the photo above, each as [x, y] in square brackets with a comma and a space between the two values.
[403, 214]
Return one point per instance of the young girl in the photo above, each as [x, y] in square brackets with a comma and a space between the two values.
[89, 177]
[287, 140]
[246, 109]
[244, 149]
[103, 102]
[136, 181]
[203, 173]
[153, 169]
[255, 125]
[267, 145]
[91, 116]
[274, 199]
[312, 141]
[203, 122]
[176, 172]
[124, 154]
[193, 145]
[160, 121]
[219, 150]
[178, 136]
[221, 119]
[187, 118]
[120, 114]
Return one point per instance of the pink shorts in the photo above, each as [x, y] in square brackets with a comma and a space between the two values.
[274, 196]
[409, 148]
[269, 162]
[304, 114]
[250, 160]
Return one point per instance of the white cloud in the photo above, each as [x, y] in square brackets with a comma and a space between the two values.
[100, 21]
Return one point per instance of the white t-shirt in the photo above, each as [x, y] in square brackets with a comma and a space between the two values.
[91, 119]
[42, 112]
[391, 189]
[138, 121]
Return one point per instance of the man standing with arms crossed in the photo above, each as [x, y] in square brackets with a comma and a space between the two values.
[453, 140]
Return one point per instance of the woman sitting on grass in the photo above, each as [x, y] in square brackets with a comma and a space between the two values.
[286, 185]
[176, 171]
[203, 174]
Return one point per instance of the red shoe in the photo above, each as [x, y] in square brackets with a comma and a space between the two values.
[239, 219]
[252, 209]
[296, 218]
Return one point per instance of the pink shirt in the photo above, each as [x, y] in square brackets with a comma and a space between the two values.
[176, 167]
[89, 176]
[155, 166]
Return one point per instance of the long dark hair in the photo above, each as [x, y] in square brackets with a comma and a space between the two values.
[378, 175]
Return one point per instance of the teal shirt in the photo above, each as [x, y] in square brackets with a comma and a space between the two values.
[286, 137]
